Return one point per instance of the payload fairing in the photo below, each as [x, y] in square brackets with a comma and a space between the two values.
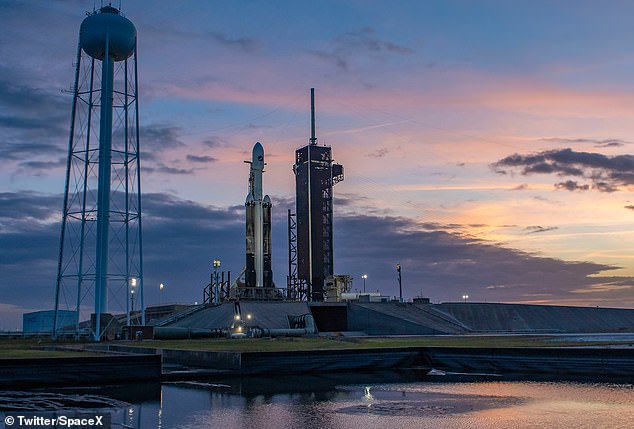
[258, 226]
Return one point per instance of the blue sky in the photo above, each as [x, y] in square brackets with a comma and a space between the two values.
[487, 145]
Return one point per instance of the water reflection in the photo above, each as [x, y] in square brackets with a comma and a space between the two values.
[356, 401]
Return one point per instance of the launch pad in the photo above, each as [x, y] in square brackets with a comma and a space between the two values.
[396, 318]
[310, 233]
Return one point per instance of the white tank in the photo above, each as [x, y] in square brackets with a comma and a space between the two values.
[107, 25]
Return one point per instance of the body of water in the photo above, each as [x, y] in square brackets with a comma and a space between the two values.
[386, 400]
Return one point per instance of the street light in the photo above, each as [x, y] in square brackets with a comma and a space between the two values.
[465, 297]
[161, 286]
[400, 283]
[364, 277]
[131, 289]
[214, 281]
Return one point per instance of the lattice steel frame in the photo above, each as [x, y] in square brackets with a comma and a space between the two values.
[77, 265]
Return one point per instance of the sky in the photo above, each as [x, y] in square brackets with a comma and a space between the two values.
[487, 145]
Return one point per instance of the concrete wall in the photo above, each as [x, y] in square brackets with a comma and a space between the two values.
[79, 370]
[591, 362]
[322, 361]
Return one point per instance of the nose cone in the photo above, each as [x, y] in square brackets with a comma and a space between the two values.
[257, 158]
[250, 200]
[266, 202]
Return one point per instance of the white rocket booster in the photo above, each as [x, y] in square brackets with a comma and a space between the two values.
[258, 232]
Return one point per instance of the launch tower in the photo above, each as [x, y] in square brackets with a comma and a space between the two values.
[100, 256]
[315, 175]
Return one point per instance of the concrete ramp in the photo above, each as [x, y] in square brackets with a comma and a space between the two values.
[269, 315]
[521, 318]
[395, 318]
[401, 319]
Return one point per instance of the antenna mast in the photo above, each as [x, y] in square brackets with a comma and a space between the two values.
[313, 139]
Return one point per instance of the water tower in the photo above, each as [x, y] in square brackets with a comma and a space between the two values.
[100, 256]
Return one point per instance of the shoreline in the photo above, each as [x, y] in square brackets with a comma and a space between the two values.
[150, 361]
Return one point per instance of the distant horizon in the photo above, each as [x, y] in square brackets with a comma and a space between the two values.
[487, 148]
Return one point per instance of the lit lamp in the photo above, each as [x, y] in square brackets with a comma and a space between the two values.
[161, 286]
[215, 281]
[364, 277]
[132, 286]
[465, 297]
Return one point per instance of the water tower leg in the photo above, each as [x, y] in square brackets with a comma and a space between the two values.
[103, 191]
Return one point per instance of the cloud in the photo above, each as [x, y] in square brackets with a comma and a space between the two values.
[20, 211]
[33, 124]
[246, 44]
[444, 264]
[352, 46]
[181, 237]
[38, 166]
[537, 229]
[366, 40]
[155, 141]
[157, 138]
[571, 185]
[25, 150]
[214, 142]
[606, 143]
[379, 153]
[606, 173]
[202, 159]
[342, 199]
[30, 106]
[615, 285]
[521, 187]
[166, 169]
[189, 37]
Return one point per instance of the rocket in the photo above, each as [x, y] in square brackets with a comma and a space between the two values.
[258, 226]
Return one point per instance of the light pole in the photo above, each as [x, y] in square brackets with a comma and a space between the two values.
[465, 297]
[133, 285]
[400, 283]
[364, 277]
[161, 286]
[131, 308]
[132, 302]
[215, 282]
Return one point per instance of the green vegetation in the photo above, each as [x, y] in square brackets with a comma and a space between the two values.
[11, 348]
[331, 343]
[32, 348]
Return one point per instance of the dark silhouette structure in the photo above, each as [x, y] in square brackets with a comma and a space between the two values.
[315, 175]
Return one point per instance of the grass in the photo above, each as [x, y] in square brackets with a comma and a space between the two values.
[11, 348]
[331, 343]
[27, 348]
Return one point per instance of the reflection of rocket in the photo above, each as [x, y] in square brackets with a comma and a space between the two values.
[258, 226]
